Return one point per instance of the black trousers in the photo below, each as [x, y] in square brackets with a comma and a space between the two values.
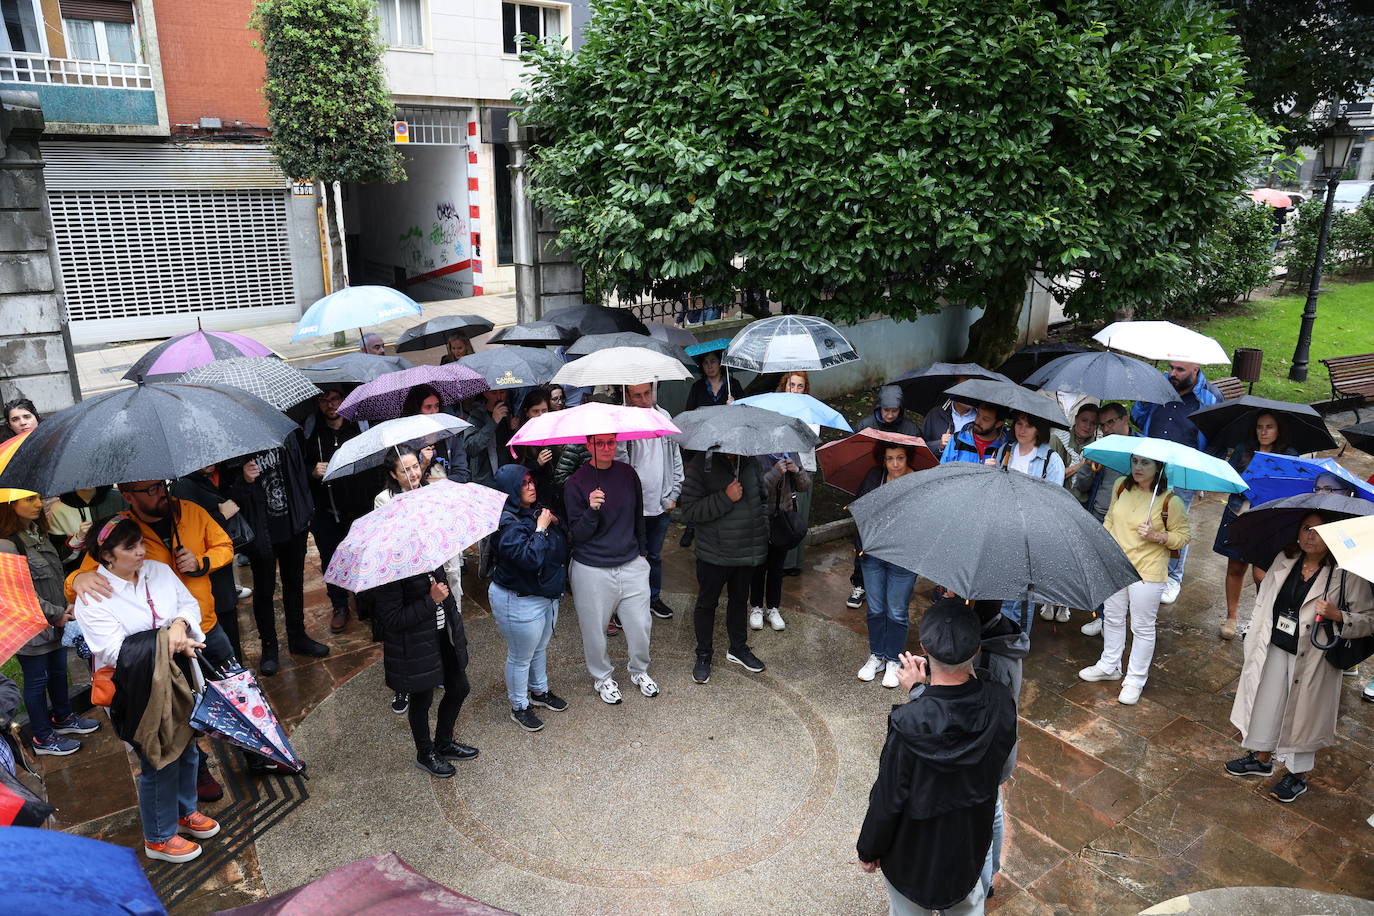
[328, 535]
[226, 595]
[288, 557]
[711, 579]
[856, 578]
[766, 588]
[456, 690]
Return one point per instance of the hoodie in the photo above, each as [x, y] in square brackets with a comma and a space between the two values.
[527, 562]
[889, 396]
[1004, 649]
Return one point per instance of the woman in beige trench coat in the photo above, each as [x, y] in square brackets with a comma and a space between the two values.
[1288, 699]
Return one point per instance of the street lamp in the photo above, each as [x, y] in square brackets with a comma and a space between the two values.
[1337, 141]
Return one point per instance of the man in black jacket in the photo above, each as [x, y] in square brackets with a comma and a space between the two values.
[338, 503]
[929, 821]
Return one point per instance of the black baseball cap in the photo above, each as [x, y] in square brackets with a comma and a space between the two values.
[950, 632]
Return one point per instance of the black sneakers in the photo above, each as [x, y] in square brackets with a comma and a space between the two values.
[746, 659]
[660, 610]
[1288, 788]
[526, 719]
[701, 671]
[548, 700]
[688, 537]
[435, 765]
[452, 750]
[400, 702]
[1249, 765]
[304, 645]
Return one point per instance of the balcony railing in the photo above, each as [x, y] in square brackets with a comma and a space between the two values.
[60, 71]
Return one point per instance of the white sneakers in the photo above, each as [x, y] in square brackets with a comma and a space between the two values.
[775, 619]
[1057, 612]
[871, 668]
[890, 675]
[608, 690]
[645, 684]
[1092, 627]
[1061, 614]
[1129, 695]
[1046, 612]
[1095, 673]
[756, 618]
[1171, 590]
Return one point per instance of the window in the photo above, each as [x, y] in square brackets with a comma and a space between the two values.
[21, 27]
[108, 41]
[518, 19]
[402, 23]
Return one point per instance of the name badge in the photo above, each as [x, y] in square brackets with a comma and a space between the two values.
[1287, 626]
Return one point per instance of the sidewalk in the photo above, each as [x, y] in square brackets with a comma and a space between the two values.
[102, 368]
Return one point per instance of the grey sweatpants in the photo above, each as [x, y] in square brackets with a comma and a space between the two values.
[599, 592]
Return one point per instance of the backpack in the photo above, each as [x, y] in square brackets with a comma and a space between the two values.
[1164, 509]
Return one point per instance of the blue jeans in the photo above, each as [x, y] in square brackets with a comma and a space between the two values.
[889, 592]
[655, 532]
[993, 864]
[1176, 565]
[1023, 612]
[45, 678]
[527, 626]
[167, 794]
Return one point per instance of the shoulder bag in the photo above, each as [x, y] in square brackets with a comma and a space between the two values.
[1341, 653]
[786, 528]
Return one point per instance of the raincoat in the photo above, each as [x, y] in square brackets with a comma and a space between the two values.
[527, 562]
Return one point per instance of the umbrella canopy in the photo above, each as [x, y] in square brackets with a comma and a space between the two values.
[383, 546]
[671, 334]
[1034, 541]
[1231, 423]
[435, 332]
[235, 709]
[846, 462]
[924, 388]
[1162, 340]
[1271, 196]
[7, 450]
[789, 343]
[622, 366]
[22, 618]
[562, 427]
[513, 367]
[1271, 476]
[384, 397]
[590, 344]
[1351, 542]
[536, 334]
[1260, 532]
[1187, 468]
[802, 406]
[48, 871]
[352, 308]
[1106, 375]
[354, 368]
[185, 352]
[739, 430]
[368, 449]
[276, 382]
[1361, 435]
[1010, 396]
[596, 319]
[1027, 359]
[719, 345]
[157, 431]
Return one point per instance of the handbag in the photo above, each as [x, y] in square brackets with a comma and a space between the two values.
[1341, 653]
[239, 531]
[102, 686]
[786, 528]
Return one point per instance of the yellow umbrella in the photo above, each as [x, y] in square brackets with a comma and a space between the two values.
[7, 450]
[1351, 542]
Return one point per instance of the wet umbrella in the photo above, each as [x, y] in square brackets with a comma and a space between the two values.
[590, 344]
[847, 461]
[622, 366]
[1361, 436]
[354, 308]
[513, 367]
[369, 448]
[435, 332]
[155, 431]
[789, 343]
[354, 368]
[802, 406]
[1260, 532]
[276, 382]
[574, 425]
[234, 708]
[1232, 423]
[990, 533]
[48, 871]
[924, 389]
[384, 397]
[1186, 467]
[1105, 375]
[1273, 476]
[678, 337]
[185, 352]
[1162, 340]
[1029, 358]
[738, 430]
[596, 319]
[536, 334]
[1012, 397]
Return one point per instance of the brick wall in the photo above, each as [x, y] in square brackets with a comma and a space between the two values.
[209, 64]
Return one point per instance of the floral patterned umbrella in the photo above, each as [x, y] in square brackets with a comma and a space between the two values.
[383, 397]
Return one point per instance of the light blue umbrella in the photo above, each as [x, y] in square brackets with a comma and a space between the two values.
[1186, 468]
[720, 344]
[354, 307]
[802, 406]
[1271, 477]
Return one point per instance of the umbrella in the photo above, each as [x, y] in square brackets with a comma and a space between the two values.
[384, 397]
[1106, 375]
[802, 406]
[7, 450]
[354, 307]
[719, 345]
[1033, 541]
[235, 709]
[21, 616]
[596, 319]
[924, 388]
[368, 449]
[435, 332]
[1027, 359]
[276, 382]
[1361, 436]
[153, 431]
[1271, 196]
[513, 367]
[536, 334]
[1162, 340]
[416, 532]
[1272, 476]
[668, 333]
[49, 871]
[1232, 423]
[847, 461]
[1187, 468]
[1260, 532]
[184, 352]
[354, 368]
[787, 343]
[1010, 396]
[574, 425]
[622, 366]
[1351, 542]
[590, 344]
[739, 430]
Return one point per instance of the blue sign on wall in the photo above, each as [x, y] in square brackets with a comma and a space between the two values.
[90, 105]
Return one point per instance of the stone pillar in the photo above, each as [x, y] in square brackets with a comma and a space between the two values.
[525, 249]
[35, 346]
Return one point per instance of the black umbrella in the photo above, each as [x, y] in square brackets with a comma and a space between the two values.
[354, 368]
[1106, 375]
[738, 429]
[154, 431]
[924, 388]
[435, 331]
[591, 343]
[596, 319]
[1361, 436]
[1012, 397]
[992, 533]
[513, 367]
[536, 334]
[1260, 532]
[1027, 359]
[1233, 423]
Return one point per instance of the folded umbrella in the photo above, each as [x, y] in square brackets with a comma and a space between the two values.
[1271, 476]
[354, 307]
[369, 448]
[275, 381]
[1261, 531]
[185, 352]
[1105, 375]
[384, 397]
[1185, 468]
[513, 367]
[536, 334]
[49, 871]
[621, 366]
[596, 319]
[591, 343]
[989, 533]
[789, 343]
[1011, 397]
[739, 430]
[575, 424]
[1029, 358]
[235, 709]
[1232, 423]
[1162, 340]
[1351, 542]
[847, 461]
[802, 406]
[924, 388]
[21, 616]
[1361, 436]
[678, 337]
[354, 368]
[435, 332]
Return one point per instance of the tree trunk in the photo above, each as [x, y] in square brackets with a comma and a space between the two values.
[336, 271]
[992, 338]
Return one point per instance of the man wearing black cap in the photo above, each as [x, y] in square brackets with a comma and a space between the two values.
[929, 821]
[337, 503]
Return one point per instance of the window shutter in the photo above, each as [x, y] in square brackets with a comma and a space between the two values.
[98, 10]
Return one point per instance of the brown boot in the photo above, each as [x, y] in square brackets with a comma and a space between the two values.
[339, 622]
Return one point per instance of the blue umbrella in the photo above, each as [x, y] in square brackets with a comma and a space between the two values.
[1271, 477]
[720, 344]
[802, 406]
[354, 307]
[1187, 468]
[47, 871]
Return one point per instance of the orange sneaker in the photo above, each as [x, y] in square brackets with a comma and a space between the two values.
[198, 825]
[177, 849]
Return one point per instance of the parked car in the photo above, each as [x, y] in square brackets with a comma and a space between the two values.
[1351, 194]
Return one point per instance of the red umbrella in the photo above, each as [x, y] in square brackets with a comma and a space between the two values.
[846, 461]
[1272, 197]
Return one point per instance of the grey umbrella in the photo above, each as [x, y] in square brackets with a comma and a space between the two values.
[1105, 375]
[993, 533]
[513, 367]
[354, 368]
[588, 345]
[536, 334]
[276, 382]
[596, 319]
[738, 429]
[924, 388]
[435, 331]
[1260, 532]
[789, 343]
[1012, 397]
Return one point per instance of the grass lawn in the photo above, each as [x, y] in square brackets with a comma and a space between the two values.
[1345, 326]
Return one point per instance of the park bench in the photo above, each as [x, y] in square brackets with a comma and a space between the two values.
[1230, 387]
[1351, 377]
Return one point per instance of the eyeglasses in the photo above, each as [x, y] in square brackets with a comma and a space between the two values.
[1329, 490]
[157, 487]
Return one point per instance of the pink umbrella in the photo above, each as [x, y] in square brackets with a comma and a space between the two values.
[384, 397]
[562, 427]
[1271, 197]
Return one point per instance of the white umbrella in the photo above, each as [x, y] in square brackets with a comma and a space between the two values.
[368, 449]
[1162, 340]
[789, 343]
[1351, 542]
[621, 366]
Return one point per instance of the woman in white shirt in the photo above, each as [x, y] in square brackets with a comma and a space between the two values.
[1029, 452]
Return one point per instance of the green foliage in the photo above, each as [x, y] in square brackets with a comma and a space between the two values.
[1349, 245]
[1352, 237]
[327, 99]
[1230, 261]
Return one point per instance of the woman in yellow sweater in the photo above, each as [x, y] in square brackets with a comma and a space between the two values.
[1149, 525]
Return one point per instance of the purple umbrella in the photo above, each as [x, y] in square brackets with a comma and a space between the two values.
[384, 397]
[185, 352]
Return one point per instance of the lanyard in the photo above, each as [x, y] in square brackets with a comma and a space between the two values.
[149, 595]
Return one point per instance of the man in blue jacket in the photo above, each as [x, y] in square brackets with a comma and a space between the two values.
[978, 441]
[1173, 422]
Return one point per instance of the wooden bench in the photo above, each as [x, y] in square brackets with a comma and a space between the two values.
[1230, 387]
[1351, 377]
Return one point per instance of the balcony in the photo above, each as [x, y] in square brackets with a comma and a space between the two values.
[87, 92]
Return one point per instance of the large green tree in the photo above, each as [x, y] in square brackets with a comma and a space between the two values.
[857, 156]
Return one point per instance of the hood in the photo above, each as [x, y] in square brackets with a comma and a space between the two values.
[76, 502]
[509, 479]
[889, 396]
[1004, 636]
[1201, 385]
[966, 733]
